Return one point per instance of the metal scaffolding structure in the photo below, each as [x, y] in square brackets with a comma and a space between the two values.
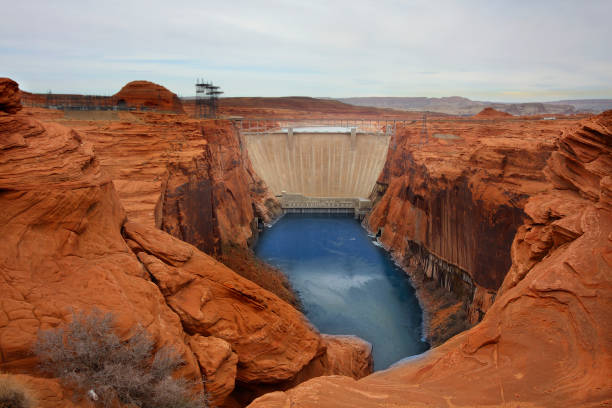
[423, 136]
[68, 101]
[207, 99]
[59, 101]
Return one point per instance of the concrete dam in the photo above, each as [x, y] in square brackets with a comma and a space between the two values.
[319, 167]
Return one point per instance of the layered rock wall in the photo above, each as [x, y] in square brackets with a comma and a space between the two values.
[191, 178]
[449, 209]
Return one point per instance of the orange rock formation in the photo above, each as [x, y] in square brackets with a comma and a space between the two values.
[67, 243]
[148, 95]
[9, 96]
[190, 178]
[490, 113]
[547, 339]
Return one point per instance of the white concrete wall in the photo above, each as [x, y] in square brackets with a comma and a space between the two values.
[318, 164]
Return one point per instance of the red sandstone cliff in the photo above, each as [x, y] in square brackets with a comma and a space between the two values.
[68, 244]
[191, 178]
[449, 209]
[547, 339]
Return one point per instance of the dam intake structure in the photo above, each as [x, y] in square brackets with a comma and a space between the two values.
[321, 167]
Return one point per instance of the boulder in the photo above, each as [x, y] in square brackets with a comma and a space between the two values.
[10, 97]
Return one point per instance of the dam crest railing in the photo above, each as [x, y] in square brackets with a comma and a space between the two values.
[267, 125]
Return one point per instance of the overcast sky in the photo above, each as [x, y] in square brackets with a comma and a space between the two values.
[510, 50]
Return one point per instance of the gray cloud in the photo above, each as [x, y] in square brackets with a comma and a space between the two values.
[501, 50]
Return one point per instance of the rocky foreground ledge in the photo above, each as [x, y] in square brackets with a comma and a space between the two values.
[67, 243]
[546, 341]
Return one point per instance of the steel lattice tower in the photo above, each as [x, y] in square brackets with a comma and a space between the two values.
[423, 137]
[207, 99]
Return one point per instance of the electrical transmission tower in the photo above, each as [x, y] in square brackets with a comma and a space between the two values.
[207, 99]
[423, 137]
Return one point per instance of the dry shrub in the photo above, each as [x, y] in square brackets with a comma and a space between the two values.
[449, 311]
[14, 394]
[88, 356]
[244, 262]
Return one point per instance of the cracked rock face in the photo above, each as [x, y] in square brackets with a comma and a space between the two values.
[547, 338]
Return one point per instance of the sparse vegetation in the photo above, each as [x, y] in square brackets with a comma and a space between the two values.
[88, 356]
[448, 314]
[14, 394]
[244, 262]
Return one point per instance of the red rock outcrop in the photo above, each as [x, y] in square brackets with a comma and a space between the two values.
[449, 209]
[218, 364]
[67, 244]
[192, 179]
[273, 340]
[490, 113]
[189, 177]
[343, 355]
[9, 96]
[148, 95]
[547, 339]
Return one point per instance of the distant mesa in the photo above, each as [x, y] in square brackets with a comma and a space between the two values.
[147, 95]
[487, 113]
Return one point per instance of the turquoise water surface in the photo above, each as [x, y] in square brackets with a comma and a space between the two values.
[347, 284]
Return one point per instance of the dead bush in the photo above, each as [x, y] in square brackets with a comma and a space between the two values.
[244, 262]
[14, 394]
[88, 356]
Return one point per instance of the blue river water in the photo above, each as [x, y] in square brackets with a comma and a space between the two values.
[346, 283]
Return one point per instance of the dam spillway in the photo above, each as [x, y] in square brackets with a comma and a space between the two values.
[329, 162]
